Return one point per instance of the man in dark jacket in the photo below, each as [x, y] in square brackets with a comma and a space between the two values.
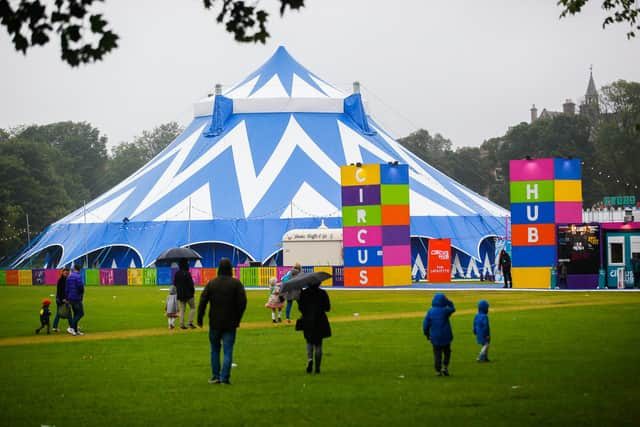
[60, 296]
[437, 329]
[228, 301]
[185, 291]
[74, 293]
[504, 264]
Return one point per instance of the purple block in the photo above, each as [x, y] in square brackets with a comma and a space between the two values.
[582, 281]
[37, 277]
[531, 170]
[361, 195]
[395, 235]
[120, 276]
[338, 276]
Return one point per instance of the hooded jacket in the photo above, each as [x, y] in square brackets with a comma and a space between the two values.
[436, 326]
[74, 288]
[481, 323]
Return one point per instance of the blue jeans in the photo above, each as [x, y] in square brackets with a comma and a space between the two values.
[56, 319]
[224, 339]
[288, 309]
[78, 312]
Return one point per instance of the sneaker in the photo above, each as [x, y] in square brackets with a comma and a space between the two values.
[309, 366]
[288, 320]
[192, 326]
[317, 370]
[279, 320]
[79, 333]
[183, 327]
[445, 372]
[225, 382]
[213, 380]
[56, 330]
[71, 331]
[37, 331]
[273, 321]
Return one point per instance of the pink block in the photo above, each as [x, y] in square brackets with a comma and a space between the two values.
[51, 277]
[568, 212]
[531, 170]
[281, 271]
[396, 255]
[107, 277]
[196, 274]
[362, 236]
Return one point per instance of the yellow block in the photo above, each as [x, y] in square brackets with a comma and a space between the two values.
[531, 277]
[134, 276]
[363, 175]
[264, 274]
[567, 190]
[396, 275]
[327, 269]
[25, 278]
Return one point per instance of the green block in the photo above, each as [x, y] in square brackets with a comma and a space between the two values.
[92, 277]
[3, 277]
[149, 276]
[249, 276]
[394, 194]
[531, 191]
[353, 216]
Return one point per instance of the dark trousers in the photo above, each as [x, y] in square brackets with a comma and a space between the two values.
[438, 352]
[508, 281]
[43, 324]
[78, 313]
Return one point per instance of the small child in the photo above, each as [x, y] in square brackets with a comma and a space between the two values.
[437, 329]
[171, 307]
[275, 302]
[481, 330]
[44, 315]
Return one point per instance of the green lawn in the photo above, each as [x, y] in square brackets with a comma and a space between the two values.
[558, 358]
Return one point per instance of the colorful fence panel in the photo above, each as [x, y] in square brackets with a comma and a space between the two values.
[3, 277]
[134, 277]
[196, 275]
[51, 276]
[208, 274]
[326, 269]
[120, 277]
[107, 277]
[149, 276]
[91, 277]
[163, 276]
[37, 276]
[266, 273]
[24, 278]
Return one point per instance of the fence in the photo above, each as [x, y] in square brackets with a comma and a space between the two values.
[161, 276]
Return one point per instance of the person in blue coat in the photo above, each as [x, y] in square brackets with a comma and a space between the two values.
[481, 330]
[437, 329]
[74, 293]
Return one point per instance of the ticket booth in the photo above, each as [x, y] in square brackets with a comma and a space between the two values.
[621, 245]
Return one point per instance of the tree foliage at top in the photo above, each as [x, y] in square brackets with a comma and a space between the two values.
[84, 36]
[620, 11]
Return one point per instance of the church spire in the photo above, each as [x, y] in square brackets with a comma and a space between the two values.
[591, 97]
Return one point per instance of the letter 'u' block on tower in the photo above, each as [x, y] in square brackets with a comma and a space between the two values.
[376, 225]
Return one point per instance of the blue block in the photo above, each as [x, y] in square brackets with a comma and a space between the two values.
[533, 256]
[567, 168]
[394, 174]
[542, 212]
[367, 256]
[164, 276]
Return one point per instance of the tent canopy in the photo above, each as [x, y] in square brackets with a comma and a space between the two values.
[257, 161]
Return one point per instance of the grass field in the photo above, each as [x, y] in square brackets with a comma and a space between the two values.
[558, 358]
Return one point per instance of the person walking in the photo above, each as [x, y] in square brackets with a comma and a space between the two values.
[186, 291]
[294, 294]
[171, 307]
[482, 330]
[60, 296]
[228, 301]
[437, 328]
[314, 304]
[504, 265]
[74, 294]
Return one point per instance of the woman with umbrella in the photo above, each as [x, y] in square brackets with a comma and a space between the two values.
[314, 304]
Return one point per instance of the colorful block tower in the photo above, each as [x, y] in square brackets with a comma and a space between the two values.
[544, 192]
[375, 220]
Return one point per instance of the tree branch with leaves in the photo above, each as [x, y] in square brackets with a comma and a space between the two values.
[621, 11]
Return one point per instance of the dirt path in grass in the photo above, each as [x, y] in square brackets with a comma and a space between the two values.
[134, 333]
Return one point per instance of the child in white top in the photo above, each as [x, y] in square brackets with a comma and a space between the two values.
[275, 301]
[171, 307]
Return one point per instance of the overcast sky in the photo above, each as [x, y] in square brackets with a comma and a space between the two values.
[465, 69]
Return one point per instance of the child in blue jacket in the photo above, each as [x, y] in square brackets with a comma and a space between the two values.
[481, 330]
[437, 329]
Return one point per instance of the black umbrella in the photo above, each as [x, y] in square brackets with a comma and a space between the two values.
[303, 280]
[175, 254]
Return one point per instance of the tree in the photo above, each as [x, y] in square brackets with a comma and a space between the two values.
[621, 11]
[84, 34]
[128, 157]
[432, 149]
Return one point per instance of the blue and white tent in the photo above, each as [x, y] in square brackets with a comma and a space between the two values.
[255, 162]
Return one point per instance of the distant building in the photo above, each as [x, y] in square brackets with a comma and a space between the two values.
[590, 107]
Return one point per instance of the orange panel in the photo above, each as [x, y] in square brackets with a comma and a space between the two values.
[363, 277]
[533, 234]
[395, 215]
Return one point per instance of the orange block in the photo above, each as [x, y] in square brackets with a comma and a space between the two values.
[533, 234]
[208, 274]
[395, 215]
[362, 277]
